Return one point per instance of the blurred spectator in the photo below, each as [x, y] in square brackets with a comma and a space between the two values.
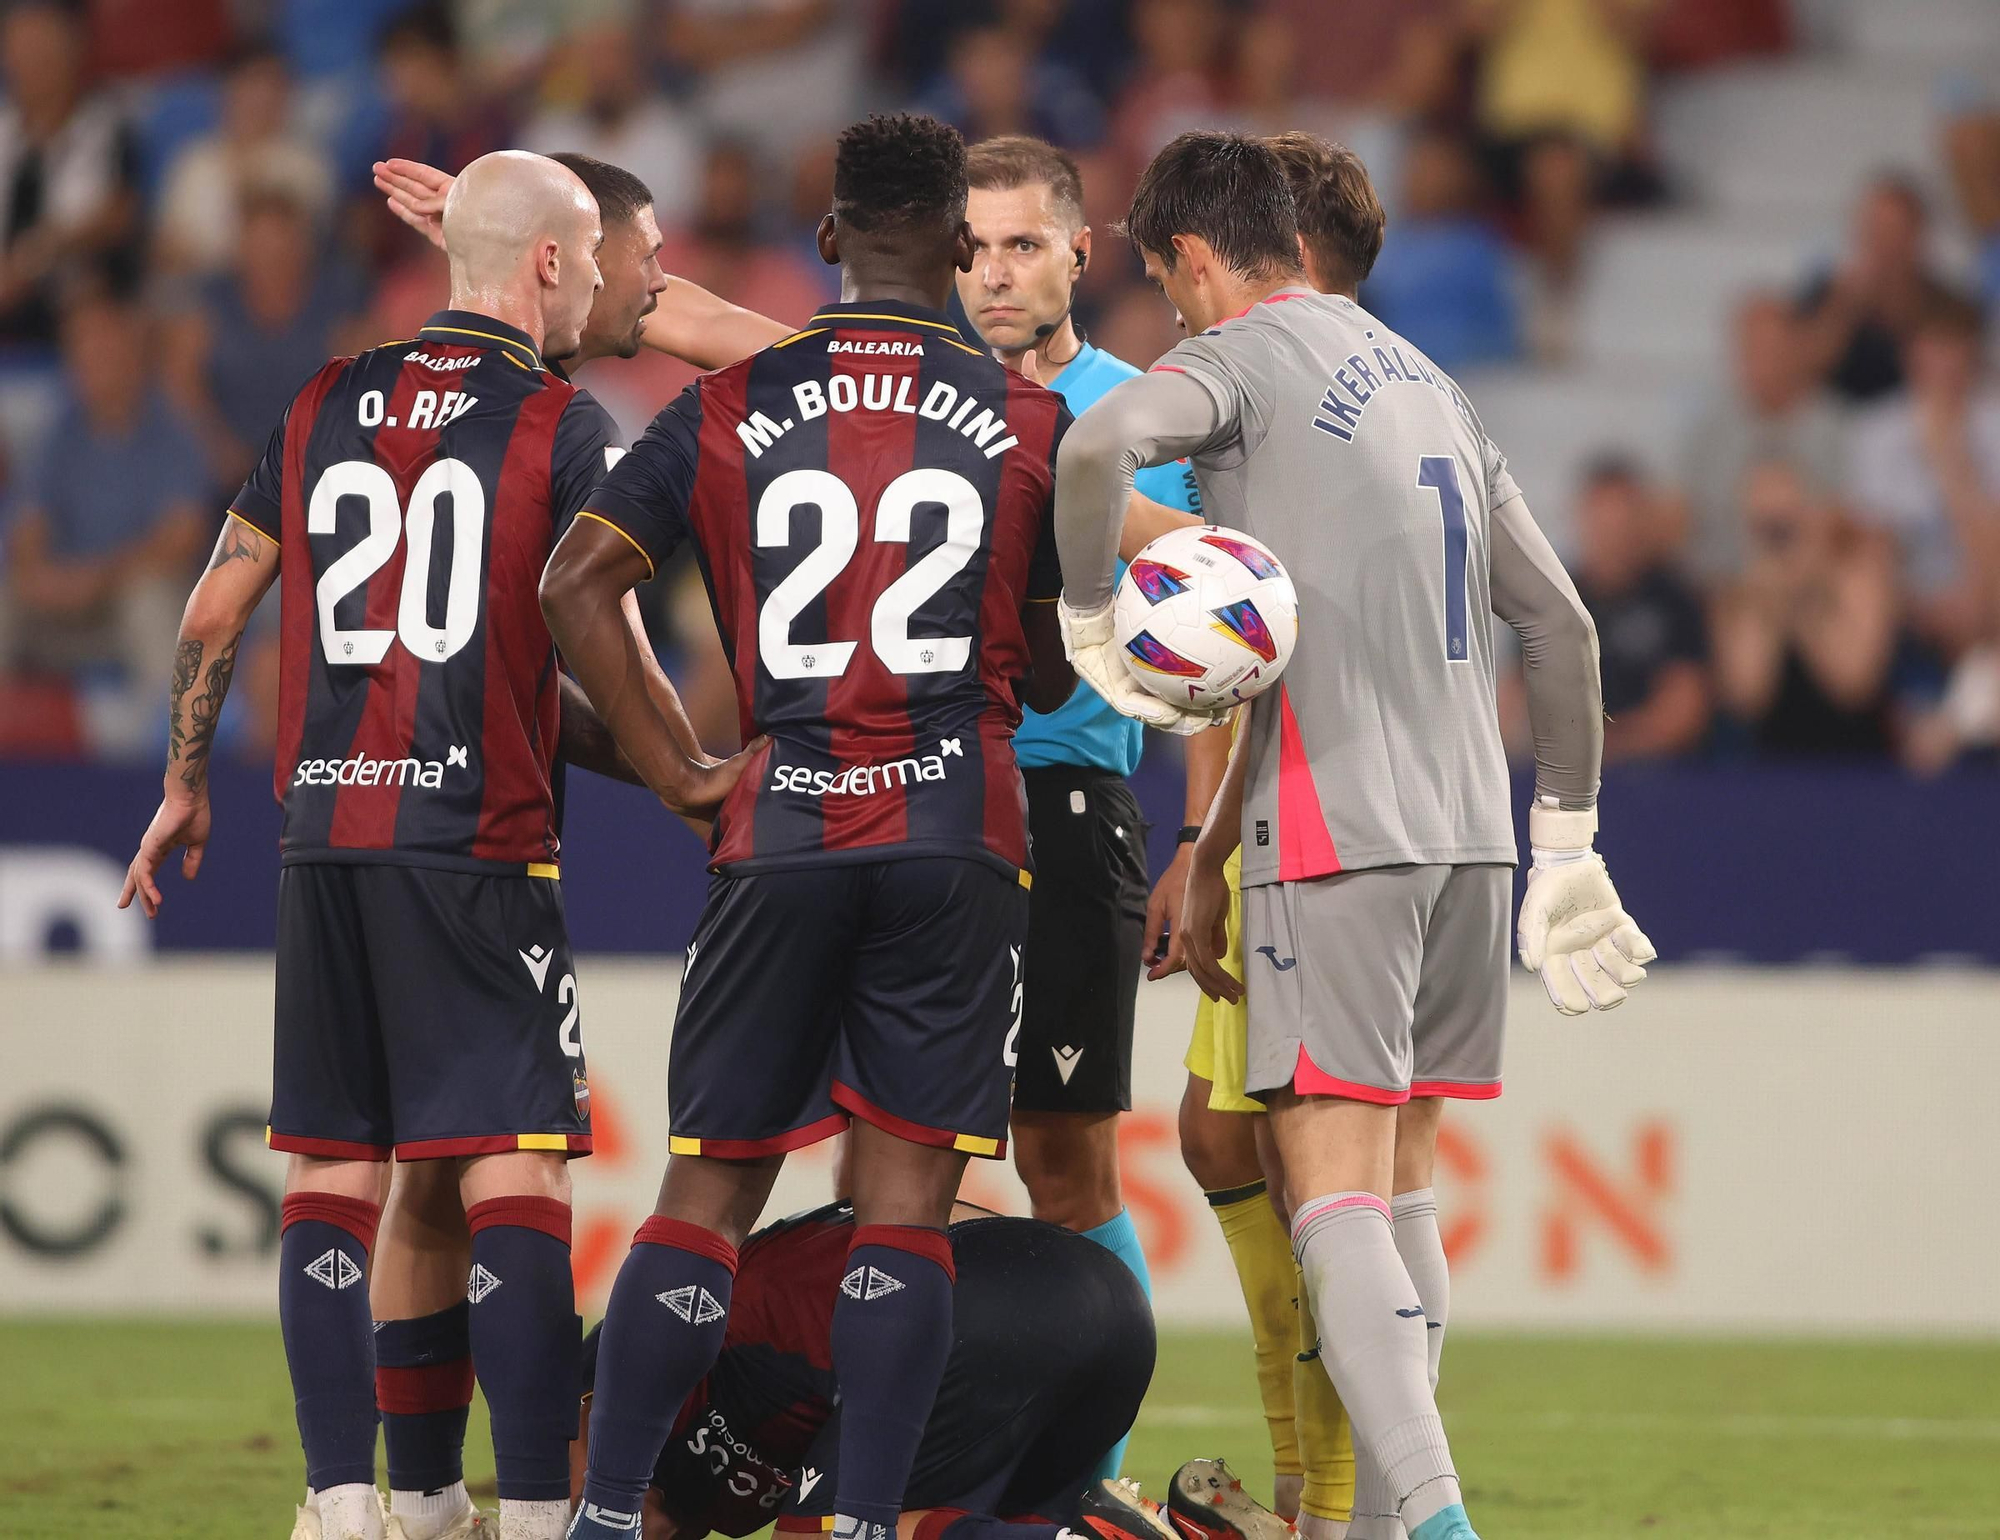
[1776, 411]
[772, 73]
[1804, 642]
[1087, 36]
[1396, 53]
[259, 332]
[1443, 279]
[1178, 79]
[1699, 34]
[625, 120]
[1972, 153]
[1860, 314]
[110, 515]
[153, 37]
[1570, 68]
[438, 114]
[254, 146]
[994, 85]
[1651, 634]
[67, 160]
[1138, 326]
[1927, 471]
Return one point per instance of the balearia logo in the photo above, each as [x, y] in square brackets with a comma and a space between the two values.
[866, 780]
[362, 770]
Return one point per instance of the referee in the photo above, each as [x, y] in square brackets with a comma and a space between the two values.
[1087, 909]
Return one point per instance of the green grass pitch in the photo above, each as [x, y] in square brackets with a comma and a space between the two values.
[116, 1429]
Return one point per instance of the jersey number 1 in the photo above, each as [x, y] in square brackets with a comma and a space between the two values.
[386, 526]
[1440, 474]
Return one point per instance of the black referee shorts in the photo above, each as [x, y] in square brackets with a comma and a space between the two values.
[1086, 930]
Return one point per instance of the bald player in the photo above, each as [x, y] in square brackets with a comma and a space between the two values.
[1368, 791]
[426, 997]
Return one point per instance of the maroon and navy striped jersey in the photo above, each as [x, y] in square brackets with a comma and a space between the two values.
[871, 504]
[415, 491]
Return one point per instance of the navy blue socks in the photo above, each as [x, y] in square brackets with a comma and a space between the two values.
[329, 1339]
[662, 1331]
[525, 1346]
[423, 1389]
[891, 1337]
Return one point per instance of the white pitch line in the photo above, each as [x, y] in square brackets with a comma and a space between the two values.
[1773, 1425]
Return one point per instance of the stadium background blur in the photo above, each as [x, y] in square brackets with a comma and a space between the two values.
[1722, 278]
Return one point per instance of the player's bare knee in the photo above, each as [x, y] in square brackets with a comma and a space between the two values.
[1069, 1164]
[423, 1195]
[367, 1180]
[723, 1196]
[1218, 1148]
[898, 1182]
[515, 1174]
[1417, 1124]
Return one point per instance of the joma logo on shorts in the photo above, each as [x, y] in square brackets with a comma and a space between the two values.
[866, 780]
[363, 770]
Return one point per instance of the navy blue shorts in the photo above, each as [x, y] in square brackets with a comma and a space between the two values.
[426, 1013]
[886, 990]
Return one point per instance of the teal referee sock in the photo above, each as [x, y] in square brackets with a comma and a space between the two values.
[1118, 1236]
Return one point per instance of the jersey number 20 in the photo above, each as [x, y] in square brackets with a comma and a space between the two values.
[839, 536]
[387, 525]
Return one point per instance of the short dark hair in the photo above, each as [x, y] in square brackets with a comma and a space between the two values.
[1340, 218]
[1230, 190]
[619, 194]
[896, 169]
[1018, 160]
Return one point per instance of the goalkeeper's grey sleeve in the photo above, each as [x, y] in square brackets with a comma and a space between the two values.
[1145, 421]
[1534, 595]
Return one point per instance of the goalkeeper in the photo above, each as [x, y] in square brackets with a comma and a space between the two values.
[1368, 791]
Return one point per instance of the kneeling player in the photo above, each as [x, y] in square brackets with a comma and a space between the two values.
[1052, 1352]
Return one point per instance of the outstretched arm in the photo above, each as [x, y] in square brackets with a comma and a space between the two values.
[706, 330]
[243, 566]
[690, 323]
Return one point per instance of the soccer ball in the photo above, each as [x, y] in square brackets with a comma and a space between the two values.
[1206, 616]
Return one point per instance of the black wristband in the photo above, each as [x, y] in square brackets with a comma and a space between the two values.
[1190, 832]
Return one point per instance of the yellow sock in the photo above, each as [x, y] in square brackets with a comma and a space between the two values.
[1262, 1252]
[1325, 1436]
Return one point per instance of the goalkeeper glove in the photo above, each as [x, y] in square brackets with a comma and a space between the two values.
[1573, 930]
[1087, 639]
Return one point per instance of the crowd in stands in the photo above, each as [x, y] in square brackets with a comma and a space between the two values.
[187, 231]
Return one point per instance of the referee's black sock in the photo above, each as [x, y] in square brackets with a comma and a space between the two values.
[891, 1337]
[329, 1339]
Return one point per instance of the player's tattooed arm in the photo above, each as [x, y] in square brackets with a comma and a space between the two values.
[244, 565]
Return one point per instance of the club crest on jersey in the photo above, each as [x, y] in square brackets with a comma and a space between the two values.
[580, 1087]
[1242, 621]
[1157, 581]
[1149, 652]
[1260, 565]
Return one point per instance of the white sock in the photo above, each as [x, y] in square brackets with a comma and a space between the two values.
[1421, 1247]
[521, 1520]
[1371, 1327]
[1312, 1527]
[350, 1512]
[425, 1514]
[1374, 1504]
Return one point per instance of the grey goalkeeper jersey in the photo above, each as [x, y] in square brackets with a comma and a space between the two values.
[1365, 468]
